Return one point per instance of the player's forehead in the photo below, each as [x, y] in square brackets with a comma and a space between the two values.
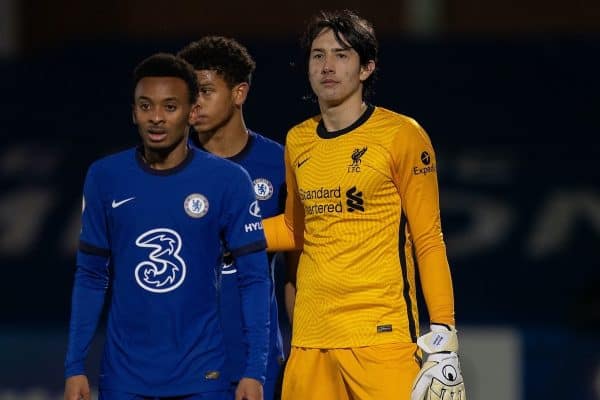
[327, 40]
[158, 88]
[209, 76]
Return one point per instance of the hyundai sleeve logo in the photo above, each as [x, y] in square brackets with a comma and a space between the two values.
[254, 209]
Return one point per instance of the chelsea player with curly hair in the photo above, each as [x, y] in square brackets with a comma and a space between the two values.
[224, 68]
[155, 219]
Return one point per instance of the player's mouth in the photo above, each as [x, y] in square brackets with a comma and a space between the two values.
[200, 119]
[157, 134]
[329, 82]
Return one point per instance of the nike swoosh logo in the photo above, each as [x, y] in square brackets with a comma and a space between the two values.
[300, 163]
[116, 204]
[228, 271]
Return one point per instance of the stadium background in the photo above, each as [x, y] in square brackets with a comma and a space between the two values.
[508, 91]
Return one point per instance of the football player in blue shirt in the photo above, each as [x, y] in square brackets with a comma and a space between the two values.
[224, 69]
[154, 221]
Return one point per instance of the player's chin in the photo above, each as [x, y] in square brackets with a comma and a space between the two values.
[331, 95]
[331, 100]
[202, 128]
[157, 144]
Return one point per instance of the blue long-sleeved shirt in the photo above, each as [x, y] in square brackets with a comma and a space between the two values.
[156, 237]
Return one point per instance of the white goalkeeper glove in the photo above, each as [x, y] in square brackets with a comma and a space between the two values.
[440, 377]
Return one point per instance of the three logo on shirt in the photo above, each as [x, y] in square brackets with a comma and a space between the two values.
[164, 270]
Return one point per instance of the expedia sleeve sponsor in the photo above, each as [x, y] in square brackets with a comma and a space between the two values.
[426, 159]
[424, 170]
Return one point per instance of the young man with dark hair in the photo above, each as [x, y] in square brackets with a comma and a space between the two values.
[363, 205]
[224, 69]
[154, 221]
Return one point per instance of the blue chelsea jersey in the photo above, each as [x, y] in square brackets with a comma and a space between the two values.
[158, 235]
[263, 159]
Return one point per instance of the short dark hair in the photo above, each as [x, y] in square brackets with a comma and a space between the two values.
[357, 32]
[167, 65]
[226, 56]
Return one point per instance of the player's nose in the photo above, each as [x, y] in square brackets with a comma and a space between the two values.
[327, 66]
[157, 115]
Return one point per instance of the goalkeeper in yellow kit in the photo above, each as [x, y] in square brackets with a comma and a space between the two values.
[363, 205]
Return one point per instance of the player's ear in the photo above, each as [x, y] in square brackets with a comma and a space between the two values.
[193, 113]
[240, 93]
[133, 117]
[366, 70]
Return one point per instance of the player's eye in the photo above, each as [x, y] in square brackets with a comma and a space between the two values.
[144, 106]
[205, 90]
[317, 56]
[170, 107]
[342, 55]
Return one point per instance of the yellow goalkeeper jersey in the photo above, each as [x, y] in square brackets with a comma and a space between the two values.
[364, 202]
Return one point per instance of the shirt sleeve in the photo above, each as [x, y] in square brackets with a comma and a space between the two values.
[91, 278]
[415, 174]
[286, 231]
[245, 240]
[253, 275]
[242, 227]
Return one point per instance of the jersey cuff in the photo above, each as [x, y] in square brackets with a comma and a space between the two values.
[75, 368]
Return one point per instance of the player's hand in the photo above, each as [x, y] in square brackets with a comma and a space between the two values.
[77, 387]
[440, 377]
[249, 389]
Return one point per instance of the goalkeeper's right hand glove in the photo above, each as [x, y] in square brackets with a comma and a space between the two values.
[440, 377]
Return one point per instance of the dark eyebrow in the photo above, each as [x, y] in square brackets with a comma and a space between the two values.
[336, 50]
[162, 100]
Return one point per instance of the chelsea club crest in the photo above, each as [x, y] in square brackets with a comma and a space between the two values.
[263, 189]
[196, 205]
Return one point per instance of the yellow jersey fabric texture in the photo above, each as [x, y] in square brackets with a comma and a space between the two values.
[364, 203]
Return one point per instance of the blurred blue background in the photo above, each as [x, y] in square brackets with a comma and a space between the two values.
[508, 91]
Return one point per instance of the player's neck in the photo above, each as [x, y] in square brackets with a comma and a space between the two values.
[340, 116]
[226, 141]
[167, 159]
